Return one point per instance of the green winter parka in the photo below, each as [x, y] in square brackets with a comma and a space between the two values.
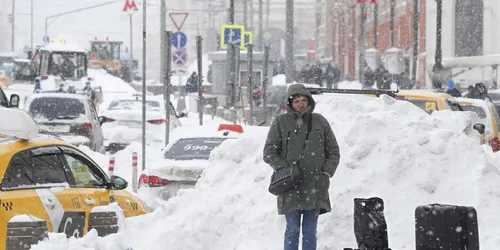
[285, 142]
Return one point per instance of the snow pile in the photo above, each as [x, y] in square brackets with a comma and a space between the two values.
[109, 83]
[390, 149]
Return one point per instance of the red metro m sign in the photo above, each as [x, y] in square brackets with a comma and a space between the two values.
[130, 6]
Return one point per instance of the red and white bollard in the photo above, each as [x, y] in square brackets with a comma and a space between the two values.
[134, 171]
[111, 167]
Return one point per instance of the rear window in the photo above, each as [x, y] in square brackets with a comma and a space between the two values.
[133, 105]
[478, 110]
[57, 108]
[193, 148]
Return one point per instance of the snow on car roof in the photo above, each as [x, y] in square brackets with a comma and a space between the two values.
[63, 47]
[58, 95]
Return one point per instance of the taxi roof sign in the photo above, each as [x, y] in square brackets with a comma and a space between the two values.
[231, 127]
[20, 124]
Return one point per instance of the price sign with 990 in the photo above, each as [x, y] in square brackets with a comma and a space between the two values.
[195, 147]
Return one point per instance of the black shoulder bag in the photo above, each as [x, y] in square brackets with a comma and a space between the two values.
[287, 178]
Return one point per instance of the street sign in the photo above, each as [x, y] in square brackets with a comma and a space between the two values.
[46, 39]
[130, 6]
[231, 34]
[180, 72]
[179, 39]
[247, 39]
[178, 19]
[179, 57]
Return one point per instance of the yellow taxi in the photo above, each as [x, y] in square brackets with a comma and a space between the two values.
[55, 184]
[429, 101]
[488, 116]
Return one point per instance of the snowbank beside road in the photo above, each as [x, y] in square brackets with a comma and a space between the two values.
[389, 148]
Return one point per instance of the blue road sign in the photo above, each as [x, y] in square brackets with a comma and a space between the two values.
[232, 35]
[46, 39]
[179, 39]
[179, 57]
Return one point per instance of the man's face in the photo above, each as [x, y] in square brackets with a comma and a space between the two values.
[300, 103]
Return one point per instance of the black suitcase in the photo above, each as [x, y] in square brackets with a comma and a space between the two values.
[370, 227]
[446, 227]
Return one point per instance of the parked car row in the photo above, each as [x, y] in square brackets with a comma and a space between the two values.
[47, 184]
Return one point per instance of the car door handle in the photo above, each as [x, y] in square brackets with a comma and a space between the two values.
[89, 201]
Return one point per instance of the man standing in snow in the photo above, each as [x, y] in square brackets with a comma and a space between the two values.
[304, 138]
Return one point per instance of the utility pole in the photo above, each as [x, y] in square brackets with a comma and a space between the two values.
[166, 82]
[199, 40]
[289, 42]
[318, 24]
[31, 43]
[230, 66]
[391, 29]
[375, 24]
[163, 42]
[144, 84]
[245, 13]
[415, 43]
[261, 42]
[252, 14]
[249, 85]
[437, 70]
[265, 77]
[362, 42]
[267, 14]
[13, 24]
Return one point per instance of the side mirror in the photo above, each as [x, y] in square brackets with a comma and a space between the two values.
[102, 119]
[183, 114]
[14, 101]
[480, 128]
[118, 183]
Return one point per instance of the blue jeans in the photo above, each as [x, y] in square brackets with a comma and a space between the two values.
[309, 226]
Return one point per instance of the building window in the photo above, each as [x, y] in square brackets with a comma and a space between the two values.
[468, 28]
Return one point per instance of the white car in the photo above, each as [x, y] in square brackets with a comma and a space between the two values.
[185, 158]
[124, 121]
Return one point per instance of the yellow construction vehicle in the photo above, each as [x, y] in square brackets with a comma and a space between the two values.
[105, 55]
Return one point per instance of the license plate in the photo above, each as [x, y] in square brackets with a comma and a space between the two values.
[132, 124]
[55, 128]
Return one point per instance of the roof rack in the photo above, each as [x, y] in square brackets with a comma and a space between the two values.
[377, 92]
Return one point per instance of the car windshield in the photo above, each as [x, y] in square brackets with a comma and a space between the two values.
[57, 108]
[193, 148]
[134, 105]
[478, 110]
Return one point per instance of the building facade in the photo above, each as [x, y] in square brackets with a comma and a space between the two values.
[344, 33]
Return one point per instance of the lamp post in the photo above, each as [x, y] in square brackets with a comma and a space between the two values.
[415, 43]
[438, 69]
[289, 68]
